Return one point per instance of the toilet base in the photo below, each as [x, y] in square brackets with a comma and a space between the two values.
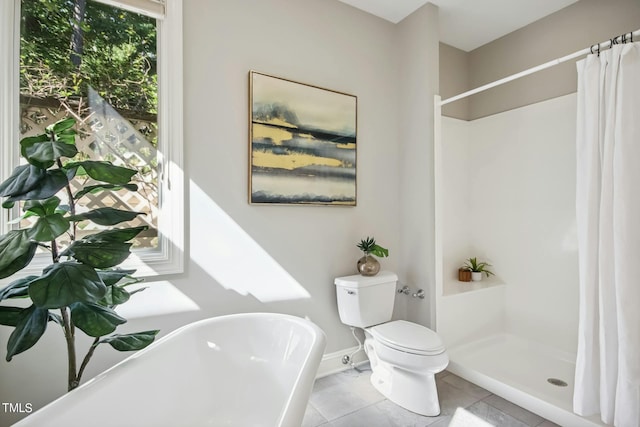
[413, 391]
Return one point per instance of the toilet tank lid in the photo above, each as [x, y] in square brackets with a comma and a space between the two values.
[359, 281]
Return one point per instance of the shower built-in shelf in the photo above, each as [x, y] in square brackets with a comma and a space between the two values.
[453, 286]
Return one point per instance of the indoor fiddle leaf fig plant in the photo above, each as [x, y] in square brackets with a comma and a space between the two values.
[81, 287]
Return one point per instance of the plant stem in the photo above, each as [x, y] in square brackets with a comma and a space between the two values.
[87, 357]
[71, 349]
[69, 329]
[54, 251]
[72, 205]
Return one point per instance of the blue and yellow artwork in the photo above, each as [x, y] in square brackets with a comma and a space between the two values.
[302, 143]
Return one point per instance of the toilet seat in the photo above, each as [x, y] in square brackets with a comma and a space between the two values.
[408, 337]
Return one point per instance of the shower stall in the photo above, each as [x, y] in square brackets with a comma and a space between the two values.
[506, 194]
[507, 186]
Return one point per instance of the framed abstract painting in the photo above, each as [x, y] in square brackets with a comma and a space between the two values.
[302, 143]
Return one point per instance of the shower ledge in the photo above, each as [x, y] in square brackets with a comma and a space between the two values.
[454, 286]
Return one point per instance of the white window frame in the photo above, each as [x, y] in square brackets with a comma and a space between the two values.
[168, 257]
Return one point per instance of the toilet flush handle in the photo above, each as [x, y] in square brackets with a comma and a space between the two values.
[419, 294]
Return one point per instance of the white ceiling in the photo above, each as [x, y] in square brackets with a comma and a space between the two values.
[468, 24]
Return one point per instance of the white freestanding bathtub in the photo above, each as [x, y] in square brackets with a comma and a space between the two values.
[253, 369]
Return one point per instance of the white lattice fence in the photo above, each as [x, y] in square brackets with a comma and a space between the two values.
[104, 134]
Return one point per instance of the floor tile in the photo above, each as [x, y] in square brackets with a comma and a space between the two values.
[367, 417]
[442, 422]
[328, 381]
[464, 418]
[343, 397]
[529, 418]
[347, 399]
[452, 398]
[494, 416]
[313, 418]
[466, 386]
[442, 374]
[403, 418]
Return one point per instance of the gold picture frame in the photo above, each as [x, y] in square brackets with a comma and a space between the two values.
[302, 143]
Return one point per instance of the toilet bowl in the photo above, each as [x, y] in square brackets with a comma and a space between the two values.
[404, 359]
[404, 356]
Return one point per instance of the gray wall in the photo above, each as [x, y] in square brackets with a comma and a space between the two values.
[418, 78]
[454, 79]
[570, 29]
[320, 42]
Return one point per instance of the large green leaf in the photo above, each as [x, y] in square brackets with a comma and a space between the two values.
[136, 290]
[130, 342]
[65, 283]
[106, 216]
[28, 330]
[23, 179]
[52, 182]
[17, 289]
[379, 251]
[116, 235]
[49, 227]
[68, 136]
[99, 254]
[95, 320]
[19, 263]
[30, 141]
[10, 316]
[115, 295]
[16, 252]
[47, 152]
[42, 207]
[111, 277]
[62, 125]
[105, 171]
[93, 189]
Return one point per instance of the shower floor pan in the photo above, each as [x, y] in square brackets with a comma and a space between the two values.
[524, 373]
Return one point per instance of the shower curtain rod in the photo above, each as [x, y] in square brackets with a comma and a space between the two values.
[626, 37]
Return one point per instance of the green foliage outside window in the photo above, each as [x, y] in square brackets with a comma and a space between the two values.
[69, 45]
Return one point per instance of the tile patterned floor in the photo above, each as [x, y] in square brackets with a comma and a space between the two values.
[347, 399]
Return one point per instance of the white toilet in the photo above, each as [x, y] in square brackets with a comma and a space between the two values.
[404, 356]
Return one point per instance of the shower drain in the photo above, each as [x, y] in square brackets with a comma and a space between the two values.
[557, 382]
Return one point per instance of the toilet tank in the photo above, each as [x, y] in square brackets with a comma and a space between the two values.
[365, 301]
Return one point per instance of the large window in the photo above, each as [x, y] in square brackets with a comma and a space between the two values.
[103, 63]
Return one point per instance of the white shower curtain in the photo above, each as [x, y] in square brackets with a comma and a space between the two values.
[608, 219]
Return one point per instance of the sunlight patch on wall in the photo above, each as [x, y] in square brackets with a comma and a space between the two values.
[159, 299]
[231, 257]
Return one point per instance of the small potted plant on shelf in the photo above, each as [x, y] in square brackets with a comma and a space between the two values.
[368, 265]
[477, 268]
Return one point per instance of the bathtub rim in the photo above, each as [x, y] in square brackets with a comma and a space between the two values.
[285, 417]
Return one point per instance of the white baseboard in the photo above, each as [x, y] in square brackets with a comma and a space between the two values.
[332, 362]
